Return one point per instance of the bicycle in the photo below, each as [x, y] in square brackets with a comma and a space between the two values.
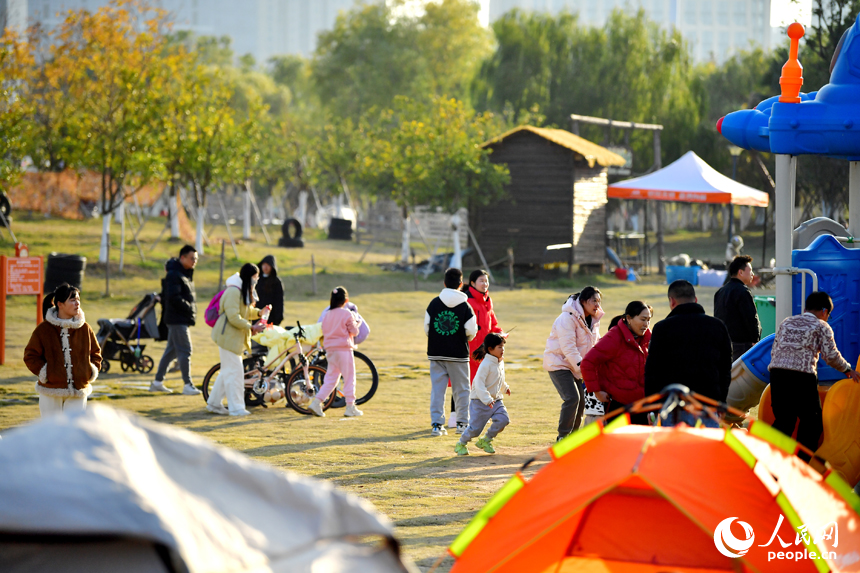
[300, 385]
[366, 376]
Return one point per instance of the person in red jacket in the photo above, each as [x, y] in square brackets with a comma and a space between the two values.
[615, 368]
[481, 303]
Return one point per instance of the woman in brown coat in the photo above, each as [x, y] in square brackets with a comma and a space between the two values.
[64, 354]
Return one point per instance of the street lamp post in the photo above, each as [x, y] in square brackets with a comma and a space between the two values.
[735, 152]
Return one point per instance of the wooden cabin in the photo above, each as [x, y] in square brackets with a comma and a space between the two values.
[557, 195]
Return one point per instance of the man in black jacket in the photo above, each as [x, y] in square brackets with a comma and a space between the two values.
[689, 347]
[179, 308]
[734, 305]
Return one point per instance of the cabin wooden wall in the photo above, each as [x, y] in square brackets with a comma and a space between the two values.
[589, 213]
[538, 208]
[551, 199]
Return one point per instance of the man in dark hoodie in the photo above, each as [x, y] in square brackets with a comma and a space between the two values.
[689, 347]
[179, 308]
[449, 324]
[270, 289]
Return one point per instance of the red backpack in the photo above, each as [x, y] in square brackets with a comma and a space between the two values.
[213, 311]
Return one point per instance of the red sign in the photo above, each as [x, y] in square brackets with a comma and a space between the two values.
[23, 275]
[18, 275]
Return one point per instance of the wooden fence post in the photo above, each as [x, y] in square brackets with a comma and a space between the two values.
[511, 267]
[221, 272]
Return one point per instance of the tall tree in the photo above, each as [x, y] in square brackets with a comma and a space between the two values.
[376, 52]
[15, 107]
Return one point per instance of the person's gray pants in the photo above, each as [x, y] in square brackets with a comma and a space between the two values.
[179, 347]
[573, 404]
[440, 372]
[480, 414]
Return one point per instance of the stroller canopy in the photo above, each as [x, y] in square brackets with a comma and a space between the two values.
[648, 499]
[107, 491]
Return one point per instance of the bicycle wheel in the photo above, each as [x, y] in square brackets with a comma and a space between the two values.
[298, 396]
[366, 382]
[248, 364]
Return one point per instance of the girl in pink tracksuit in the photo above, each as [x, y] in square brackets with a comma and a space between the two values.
[339, 326]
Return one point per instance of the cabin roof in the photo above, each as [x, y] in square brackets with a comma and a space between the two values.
[591, 152]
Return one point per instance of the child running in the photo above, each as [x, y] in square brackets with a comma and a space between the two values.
[339, 326]
[488, 388]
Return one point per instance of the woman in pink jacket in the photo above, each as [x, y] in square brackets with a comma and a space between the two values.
[574, 333]
[339, 326]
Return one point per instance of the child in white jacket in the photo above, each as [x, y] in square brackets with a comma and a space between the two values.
[485, 402]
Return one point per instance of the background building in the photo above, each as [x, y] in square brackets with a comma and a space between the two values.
[13, 14]
[715, 28]
[263, 28]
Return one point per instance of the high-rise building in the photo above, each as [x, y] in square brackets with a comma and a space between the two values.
[715, 28]
[262, 28]
[13, 14]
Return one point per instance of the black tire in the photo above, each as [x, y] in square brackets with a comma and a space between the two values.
[5, 208]
[66, 262]
[63, 268]
[296, 379]
[105, 367]
[291, 229]
[366, 377]
[340, 229]
[249, 363]
[145, 364]
[290, 243]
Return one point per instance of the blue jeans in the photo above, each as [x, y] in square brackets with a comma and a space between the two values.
[179, 347]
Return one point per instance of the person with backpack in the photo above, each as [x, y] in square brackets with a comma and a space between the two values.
[232, 334]
[449, 324]
[179, 312]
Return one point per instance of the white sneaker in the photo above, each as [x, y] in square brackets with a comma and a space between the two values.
[316, 408]
[190, 390]
[351, 410]
[452, 420]
[217, 409]
[240, 413]
[158, 386]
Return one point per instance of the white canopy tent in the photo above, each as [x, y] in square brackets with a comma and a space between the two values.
[107, 491]
[690, 180]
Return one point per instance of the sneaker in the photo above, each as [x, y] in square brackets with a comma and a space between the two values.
[240, 413]
[158, 386]
[316, 407]
[486, 445]
[452, 419]
[438, 430]
[460, 449]
[217, 409]
[190, 390]
[461, 427]
[351, 410]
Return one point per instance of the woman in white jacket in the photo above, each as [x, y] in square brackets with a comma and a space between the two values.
[574, 333]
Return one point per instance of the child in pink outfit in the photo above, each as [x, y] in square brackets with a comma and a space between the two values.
[339, 326]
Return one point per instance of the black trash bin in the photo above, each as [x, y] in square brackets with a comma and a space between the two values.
[62, 268]
[340, 229]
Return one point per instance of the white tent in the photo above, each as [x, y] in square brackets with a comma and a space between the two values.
[107, 491]
[691, 180]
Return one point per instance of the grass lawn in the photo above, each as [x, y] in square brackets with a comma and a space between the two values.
[388, 456]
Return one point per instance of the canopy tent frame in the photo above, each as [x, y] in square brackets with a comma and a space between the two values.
[628, 127]
[687, 180]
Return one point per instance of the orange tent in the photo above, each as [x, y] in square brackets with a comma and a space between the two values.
[637, 499]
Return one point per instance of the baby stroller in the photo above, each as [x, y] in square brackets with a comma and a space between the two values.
[120, 338]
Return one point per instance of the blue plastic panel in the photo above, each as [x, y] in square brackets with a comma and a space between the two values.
[757, 358]
[838, 271]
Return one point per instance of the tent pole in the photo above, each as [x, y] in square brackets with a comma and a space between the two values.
[658, 164]
[786, 169]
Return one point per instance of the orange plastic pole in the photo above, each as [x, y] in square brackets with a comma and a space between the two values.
[791, 79]
[2, 309]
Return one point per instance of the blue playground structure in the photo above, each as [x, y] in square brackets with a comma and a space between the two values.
[825, 123]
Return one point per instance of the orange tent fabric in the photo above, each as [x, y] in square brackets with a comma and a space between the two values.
[637, 499]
